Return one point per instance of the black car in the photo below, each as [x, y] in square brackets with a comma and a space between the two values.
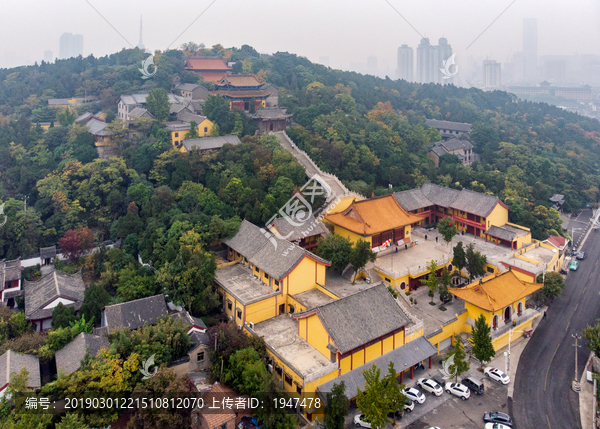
[497, 417]
[474, 385]
[581, 255]
[439, 380]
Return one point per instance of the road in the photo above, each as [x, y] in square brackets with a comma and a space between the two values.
[542, 394]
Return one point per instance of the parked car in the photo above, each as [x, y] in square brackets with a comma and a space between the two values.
[497, 417]
[496, 426]
[574, 265]
[409, 405]
[360, 421]
[430, 385]
[581, 256]
[496, 375]
[396, 415]
[439, 380]
[414, 395]
[575, 214]
[459, 390]
[474, 385]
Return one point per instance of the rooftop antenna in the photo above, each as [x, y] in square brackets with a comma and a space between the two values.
[141, 43]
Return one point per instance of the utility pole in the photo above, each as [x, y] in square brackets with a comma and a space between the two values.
[576, 387]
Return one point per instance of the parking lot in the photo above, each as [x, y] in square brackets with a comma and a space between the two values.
[440, 411]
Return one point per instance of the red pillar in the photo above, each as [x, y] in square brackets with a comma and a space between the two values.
[411, 372]
[511, 245]
[401, 376]
[429, 362]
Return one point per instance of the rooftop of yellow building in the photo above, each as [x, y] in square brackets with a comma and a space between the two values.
[496, 292]
[238, 281]
[372, 216]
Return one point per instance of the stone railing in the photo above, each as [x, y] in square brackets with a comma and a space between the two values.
[528, 314]
[416, 323]
[414, 270]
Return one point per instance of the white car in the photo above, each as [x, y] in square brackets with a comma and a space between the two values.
[409, 405]
[430, 386]
[359, 421]
[496, 375]
[459, 390]
[496, 426]
[414, 395]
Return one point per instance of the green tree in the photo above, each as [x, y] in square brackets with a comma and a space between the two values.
[481, 341]
[157, 103]
[459, 365]
[274, 417]
[393, 390]
[336, 249]
[238, 126]
[337, 406]
[94, 300]
[373, 402]
[591, 334]
[475, 262]
[360, 255]
[193, 132]
[448, 231]
[72, 421]
[459, 258]
[553, 284]
[246, 372]
[63, 316]
[65, 118]
[445, 283]
[432, 279]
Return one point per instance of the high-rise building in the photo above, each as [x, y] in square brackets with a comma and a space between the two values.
[140, 44]
[405, 63]
[324, 61]
[430, 59]
[492, 74]
[519, 66]
[48, 56]
[70, 46]
[372, 65]
[530, 47]
[555, 70]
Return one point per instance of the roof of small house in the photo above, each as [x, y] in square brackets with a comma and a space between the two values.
[187, 116]
[355, 320]
[39, 294]
[13, 362]
[48, 252]
[10, 270]
[140, 112]
[188, 320]
[448, 125]
[374, 215]
[247, 79]
[276, 113]
[134, 314]
[558, 242]
[210, 143]
[69, 357]
[506, 232]
[496, 292]
[291, 232]
[187, 86]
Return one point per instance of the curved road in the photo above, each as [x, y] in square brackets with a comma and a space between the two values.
[542, 393]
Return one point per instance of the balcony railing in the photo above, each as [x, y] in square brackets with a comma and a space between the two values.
[504, 327]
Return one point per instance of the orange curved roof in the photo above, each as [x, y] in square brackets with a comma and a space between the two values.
[372, 216]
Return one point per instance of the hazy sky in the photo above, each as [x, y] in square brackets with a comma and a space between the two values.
[346, 31]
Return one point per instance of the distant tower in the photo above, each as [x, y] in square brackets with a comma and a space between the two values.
[140, 44]
[405, 63]
[48, 56]
[64, 50]
[427, 60]
[444, 51]
[492, 74]
[372, 65]
[530, 47]
[76, 46]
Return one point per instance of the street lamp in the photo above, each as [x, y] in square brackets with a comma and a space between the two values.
[575, 385]
[510, 332]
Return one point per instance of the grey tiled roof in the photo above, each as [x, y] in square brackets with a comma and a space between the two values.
[439, 195]
[177, 126]
[188, 320]
[69, 357]
[207, 143]
[359, 318]
[134, 314]
[187, 116]
[271, 114]
[454, 144]
[454, 126]
[403, 357]
[557, 198]
[278, 261]
[438, 150]
[96, 127]
[475, 203]
[140, 112]
[40, 293]
[12, 269]
[48, 252]
[412, 199]
[14, 362]
[248, 240]
[187, 86]
[199, 338]
[506, 232]
[84, 117]
[293, 233]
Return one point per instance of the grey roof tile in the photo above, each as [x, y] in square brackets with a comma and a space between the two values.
[361, 317]
[40, 293]
[69, 357]
[208, 143]
[439, 195]
[248, 239]
[475, 203]
[14, 362]
[293, 233]
[48, 252]
[134, 314]
[506, 232]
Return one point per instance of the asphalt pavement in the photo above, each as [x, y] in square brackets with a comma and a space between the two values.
[542, 394]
